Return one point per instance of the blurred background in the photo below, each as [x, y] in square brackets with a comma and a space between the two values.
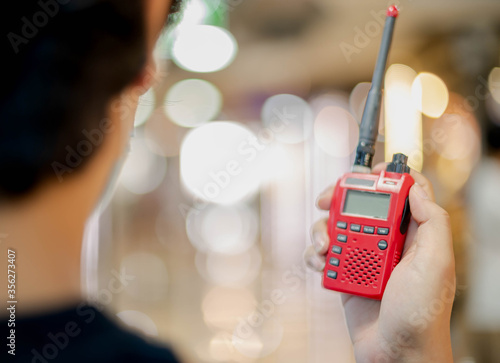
[254, 111]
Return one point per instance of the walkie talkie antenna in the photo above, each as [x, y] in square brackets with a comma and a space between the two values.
[369, 123]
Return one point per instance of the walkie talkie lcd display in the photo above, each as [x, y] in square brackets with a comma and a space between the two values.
[369, 213]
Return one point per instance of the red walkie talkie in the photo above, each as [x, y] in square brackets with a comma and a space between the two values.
[369, 213]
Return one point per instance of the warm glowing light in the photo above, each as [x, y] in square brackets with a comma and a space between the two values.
[221, 162]
[192, 102]
[229, 270]
[403, 121]
[336, 131]
[223, 307]
[494, 83]
[143, 170]
[203, 48]
[225, 230]
[288, 117]
[430, 94]
[138, 320]
[145, 107]
[150, 281]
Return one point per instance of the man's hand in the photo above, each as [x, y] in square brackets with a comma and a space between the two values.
[412, 321]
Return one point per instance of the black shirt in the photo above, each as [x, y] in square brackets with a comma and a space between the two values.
[76, 335]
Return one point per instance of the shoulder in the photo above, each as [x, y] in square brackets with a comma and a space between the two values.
[84, 334]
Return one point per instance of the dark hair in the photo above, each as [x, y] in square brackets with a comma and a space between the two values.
[60, 79]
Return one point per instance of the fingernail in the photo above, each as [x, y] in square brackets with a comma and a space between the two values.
[320, 240]
[420, 191]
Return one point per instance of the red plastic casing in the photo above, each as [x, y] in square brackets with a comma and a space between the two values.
[363, 268]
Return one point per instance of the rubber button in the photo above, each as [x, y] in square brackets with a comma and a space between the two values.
[341, 225]
[383, 231]
[369, 230]
[337, 249]
[334, 261]
[331, 274]
[355, 227]
[382, 244]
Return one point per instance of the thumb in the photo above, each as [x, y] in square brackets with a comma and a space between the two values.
[433, 245]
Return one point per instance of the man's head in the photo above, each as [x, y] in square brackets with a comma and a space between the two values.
[68, 63]
[72, 66]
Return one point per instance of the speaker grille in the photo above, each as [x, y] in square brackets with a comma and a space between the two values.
[362, 267]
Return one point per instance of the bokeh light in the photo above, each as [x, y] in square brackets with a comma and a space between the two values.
[494, 83]
[288, 117]
[357, 101]
[192, 102]
[223, 307]
[336, 131]
[225, 230]
[143, 170]
[403, 121]
[194, 12]
[332, 98]
[150, 281]
[203, 48]
[229, 270]
[221, 162]
[257, 336]
[221, 349]
[140, 321]
[430, 94]
[145, 107]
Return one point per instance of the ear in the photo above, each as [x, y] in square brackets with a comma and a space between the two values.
[146, 77]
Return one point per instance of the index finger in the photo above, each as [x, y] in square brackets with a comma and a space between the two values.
[325, 198]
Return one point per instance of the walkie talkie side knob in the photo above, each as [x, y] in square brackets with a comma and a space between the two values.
[399, 164]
